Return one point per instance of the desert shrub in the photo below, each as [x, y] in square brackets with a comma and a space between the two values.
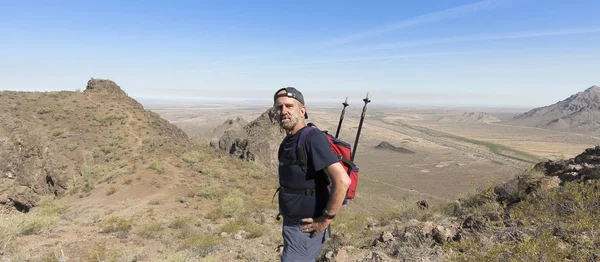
[180, 222]
[127, 181]
[150, 230]
[200, 244]
[57, 132]
[154, 202]
[59, 116]
[31, 225]
[243, 223]
[157, 166]
[231, 205]
[116, 225]
[50, 207]
[211, 191]
[112, 117]
[43, 110]
[216, 172]
[196, 156]
[257, 174]
[100, 253]
[72, 146]
[111, 190]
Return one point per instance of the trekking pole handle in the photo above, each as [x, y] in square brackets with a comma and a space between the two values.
[337, 133]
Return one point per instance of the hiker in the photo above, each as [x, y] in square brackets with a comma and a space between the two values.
[305, 203]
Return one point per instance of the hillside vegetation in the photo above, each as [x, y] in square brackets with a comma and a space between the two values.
[93, 176]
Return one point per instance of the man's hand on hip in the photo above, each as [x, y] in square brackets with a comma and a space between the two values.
[315, 226]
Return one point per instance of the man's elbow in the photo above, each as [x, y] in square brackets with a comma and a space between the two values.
[346, 181]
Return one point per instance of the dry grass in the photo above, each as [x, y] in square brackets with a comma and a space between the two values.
[117, 225]
[201, 244]
[180, 222]
[150, 230]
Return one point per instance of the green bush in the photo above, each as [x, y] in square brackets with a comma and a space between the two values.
[231, 205]
[157, 166]
[211, 191]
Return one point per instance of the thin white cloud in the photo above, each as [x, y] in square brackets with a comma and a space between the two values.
[437, 16]
[433, 17]
[461, 39]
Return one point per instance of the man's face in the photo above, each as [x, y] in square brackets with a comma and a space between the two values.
[288, 112]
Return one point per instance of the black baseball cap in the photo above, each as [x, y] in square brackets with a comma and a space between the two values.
[291, 93]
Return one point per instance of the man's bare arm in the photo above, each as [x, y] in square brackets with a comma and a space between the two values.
[340, 181]
[339, 186]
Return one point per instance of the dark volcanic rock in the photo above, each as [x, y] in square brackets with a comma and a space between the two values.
[257, 141]
[388, 146]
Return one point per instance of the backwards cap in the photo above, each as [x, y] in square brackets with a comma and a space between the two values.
[291, 93]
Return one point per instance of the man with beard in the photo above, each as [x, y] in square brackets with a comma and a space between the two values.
[305, 203]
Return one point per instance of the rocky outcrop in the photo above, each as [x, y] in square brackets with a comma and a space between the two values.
[257, 141]
[387, 146]
[104, 86]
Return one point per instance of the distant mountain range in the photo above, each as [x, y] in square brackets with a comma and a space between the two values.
[580, 112]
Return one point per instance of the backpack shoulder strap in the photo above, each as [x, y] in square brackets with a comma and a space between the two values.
[302, 153]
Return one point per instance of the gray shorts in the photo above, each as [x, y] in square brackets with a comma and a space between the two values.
[299, 246]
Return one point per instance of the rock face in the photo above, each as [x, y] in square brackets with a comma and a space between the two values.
[579, 112]
[257, 141]
[387, 146]
[474, 117]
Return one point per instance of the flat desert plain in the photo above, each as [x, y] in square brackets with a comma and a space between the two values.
[451, 158]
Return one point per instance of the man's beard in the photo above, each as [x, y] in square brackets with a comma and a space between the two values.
[289, 125]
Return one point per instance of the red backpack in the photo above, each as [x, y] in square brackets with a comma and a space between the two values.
[341, 149]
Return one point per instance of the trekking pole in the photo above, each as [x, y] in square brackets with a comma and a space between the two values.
[337, 133]
[362, 118]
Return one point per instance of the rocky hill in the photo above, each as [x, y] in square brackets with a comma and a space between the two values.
[387, 146]
[479, 117]
[50, 141]
[257, 141]
[580, 112]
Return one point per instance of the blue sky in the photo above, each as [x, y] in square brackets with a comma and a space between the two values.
[506, 53]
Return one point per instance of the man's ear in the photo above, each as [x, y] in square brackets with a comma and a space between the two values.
[302, 111]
